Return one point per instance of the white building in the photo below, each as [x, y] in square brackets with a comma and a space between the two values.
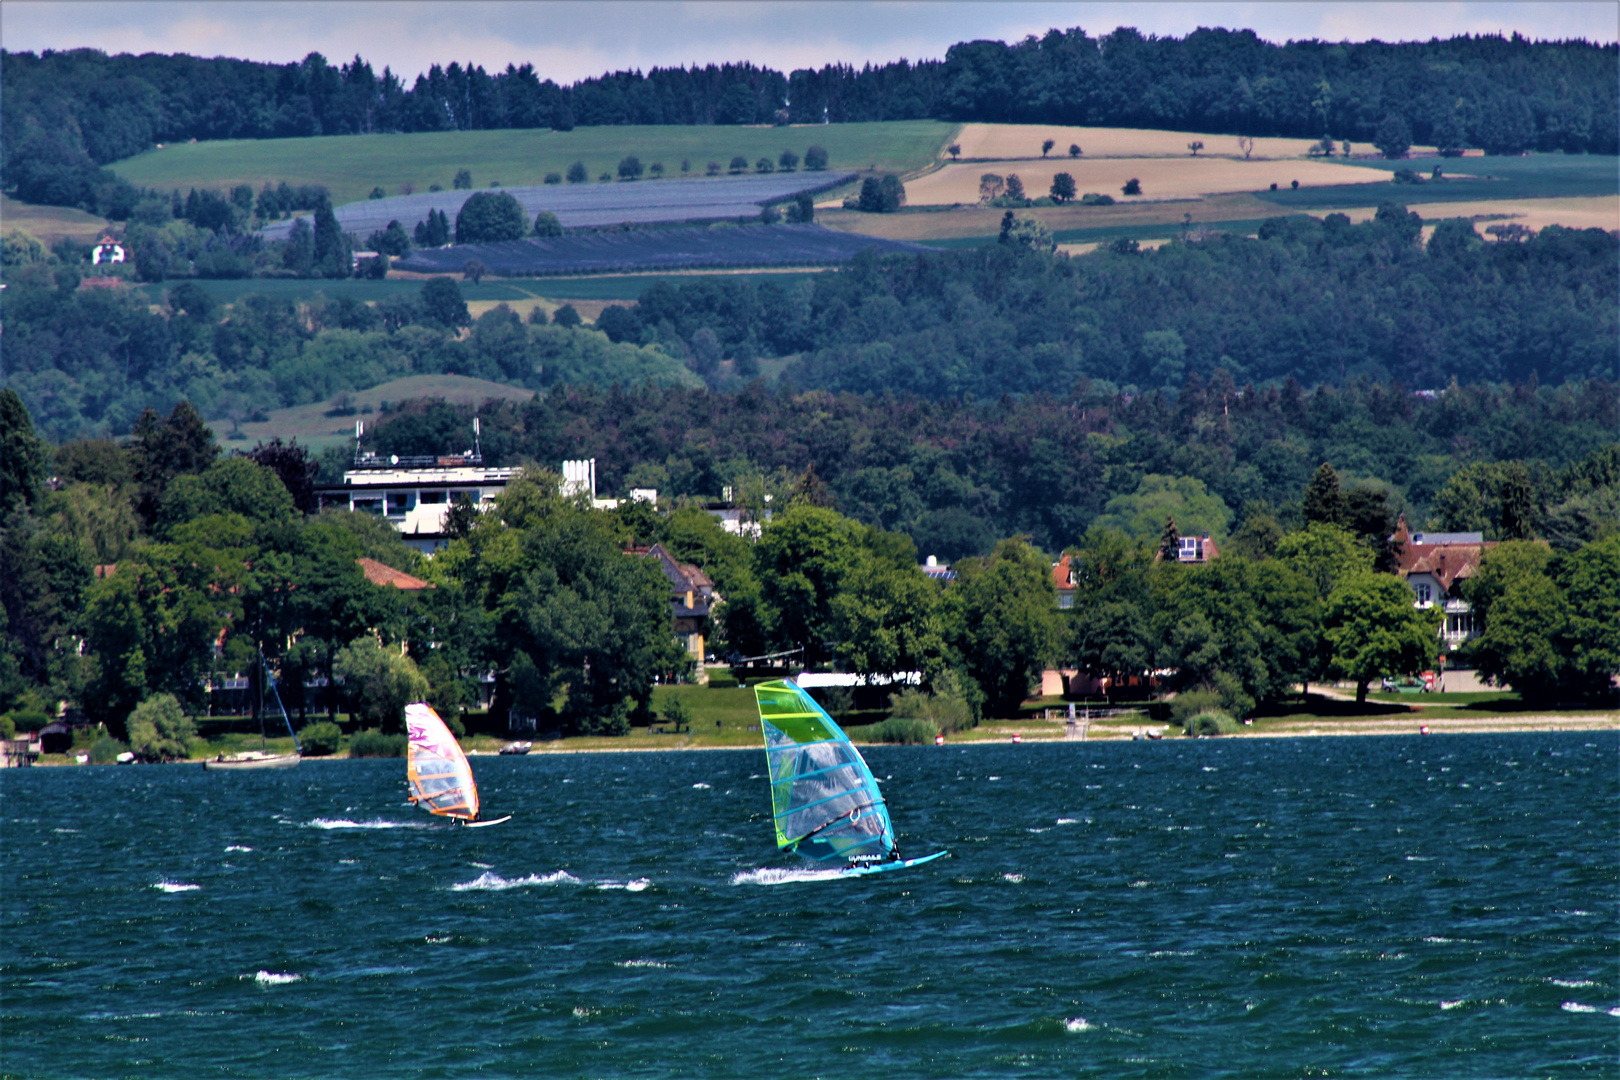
[414, 494]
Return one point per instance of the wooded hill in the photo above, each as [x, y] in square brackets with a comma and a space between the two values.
[79, 109]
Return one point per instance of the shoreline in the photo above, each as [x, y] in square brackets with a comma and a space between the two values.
[1286, 729]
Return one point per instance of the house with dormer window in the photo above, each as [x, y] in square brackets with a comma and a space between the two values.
[1435, 565]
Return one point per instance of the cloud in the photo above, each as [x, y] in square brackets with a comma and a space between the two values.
[567, 40]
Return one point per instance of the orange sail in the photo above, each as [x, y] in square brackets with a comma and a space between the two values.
[440, 778]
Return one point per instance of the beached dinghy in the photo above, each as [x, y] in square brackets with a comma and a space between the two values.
[826, 801]
[441, 780]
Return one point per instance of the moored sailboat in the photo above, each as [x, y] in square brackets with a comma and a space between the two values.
[262, 758]
[826, 803]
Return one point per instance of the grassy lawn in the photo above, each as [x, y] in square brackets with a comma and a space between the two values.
[349, 166]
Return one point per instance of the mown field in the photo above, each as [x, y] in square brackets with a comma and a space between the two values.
[49, 223]
[350, 166]
[311, 425]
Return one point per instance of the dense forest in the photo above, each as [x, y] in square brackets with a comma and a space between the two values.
[81, 108]
[1310, 300]
[956, 476]
[134, 576]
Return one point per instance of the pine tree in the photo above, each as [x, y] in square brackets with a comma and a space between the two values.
[1323, 500]
[1170, 542]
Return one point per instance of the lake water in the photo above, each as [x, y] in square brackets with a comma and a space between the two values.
[1441, 906]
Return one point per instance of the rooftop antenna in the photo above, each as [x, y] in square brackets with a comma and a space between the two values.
[359, 430]
[478, 449]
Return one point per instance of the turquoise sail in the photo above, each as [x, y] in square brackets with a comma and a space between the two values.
[826, 801]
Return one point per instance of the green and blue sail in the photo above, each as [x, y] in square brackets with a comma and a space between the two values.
[826, 801]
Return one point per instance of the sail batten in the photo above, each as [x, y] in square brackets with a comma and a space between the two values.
[440, 778]
[826, 803]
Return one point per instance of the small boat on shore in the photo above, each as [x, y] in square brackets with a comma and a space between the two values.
[252, 759]
[515, 748]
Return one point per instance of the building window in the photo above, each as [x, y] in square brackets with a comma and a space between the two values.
[399, 503]
[431, 498]
[1423, 594]
[369, 506]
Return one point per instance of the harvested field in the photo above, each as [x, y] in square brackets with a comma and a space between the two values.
[1598, 212]
[1015, 142]
[656, 249]
[1161, 178]
[594, 205]
[49, 224]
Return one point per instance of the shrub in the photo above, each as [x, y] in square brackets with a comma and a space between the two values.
[1189, 703]
[28, 721]
[788, 161]
[815, 158]
[159, 730]
[676, 715]
[764, 165]
[630, 168]
[577, 173]
[1207, 724]
[723, 682]
[376, 744]
[686, 165]
[320, 739]
[657, 168]
[1092, 198]
[713, 168]
[769, 215]
[948, 712]
[546, 224]
[553, 178]
[913, 732]
[462, 181]
[1133, 186]
[8, 729]
[377, 193]
[1074, 150]
[1407, 176]
[739, 164]
[567, 317]
[105, 750]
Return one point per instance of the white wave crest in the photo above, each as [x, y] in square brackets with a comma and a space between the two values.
[1047, 828]
[770, 875]
[628, 886]
[1078, 1023]
[1575, 1006]
[237, 847]
[492, 882]
[700, 786]
[174, 886]
[374, 823]
[1014, 878]
[1573, 984]
[1139, 884]
[274, 978]
[640, 964]
[1067, 821]
[1446, 1006]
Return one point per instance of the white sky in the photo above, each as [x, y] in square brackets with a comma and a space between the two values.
[570, 39]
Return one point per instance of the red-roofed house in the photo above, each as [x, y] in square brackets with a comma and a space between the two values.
[692, 596]
[1063, 582]
[1435, 565]
[379, 574]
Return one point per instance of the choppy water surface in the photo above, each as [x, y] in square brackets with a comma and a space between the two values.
[1440, 906]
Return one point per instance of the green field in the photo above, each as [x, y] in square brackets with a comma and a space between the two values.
[349, 166]
[1156, 231]
[1533, 176]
